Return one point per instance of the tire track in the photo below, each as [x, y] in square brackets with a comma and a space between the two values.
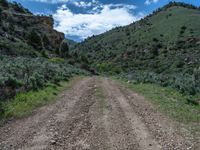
[96, 114]
[35, 131]
[137, 130]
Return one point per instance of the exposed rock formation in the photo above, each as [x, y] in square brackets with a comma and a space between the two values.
[19, 28]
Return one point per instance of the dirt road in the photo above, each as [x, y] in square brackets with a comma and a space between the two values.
[96, 114]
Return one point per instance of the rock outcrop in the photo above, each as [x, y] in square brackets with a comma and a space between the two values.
[28, 30]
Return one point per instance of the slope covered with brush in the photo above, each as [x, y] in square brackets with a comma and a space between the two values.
[32, 53]
[163, 48]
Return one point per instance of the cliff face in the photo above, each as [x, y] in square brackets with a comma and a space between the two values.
[27, 32]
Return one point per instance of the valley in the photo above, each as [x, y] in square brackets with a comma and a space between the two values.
[134, 87]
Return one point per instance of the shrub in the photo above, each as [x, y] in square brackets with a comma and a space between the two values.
[46, 41]
[1, 109]
[183, 28]
[64, 50]
[18, 7]
[155, 40]
[154, 52]
[45, 54]
[192, 101]
[197, 78]
[108, 67]
[12, 82]
[184, 83]
[11, 27]
[24, 74]
[0, 12]
[4, 3]
[35, 40]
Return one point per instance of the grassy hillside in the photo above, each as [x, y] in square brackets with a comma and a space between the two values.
[162, 48]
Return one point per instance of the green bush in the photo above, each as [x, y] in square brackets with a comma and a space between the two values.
[1, 109]
[35, 40]
[46, 41]
[108, 67]
[24, 74]
[64, 50]
[13, 82]
[197, 78]
[4, 3]
[19, 8]
[44, 54]
[0, 12]
[185, 83]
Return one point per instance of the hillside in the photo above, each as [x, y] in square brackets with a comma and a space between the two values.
[70, 43]
[32, 54]
[29, 34]
[146, 95]
[161, 48]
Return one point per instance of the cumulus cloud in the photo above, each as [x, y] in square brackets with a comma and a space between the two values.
[99, 20]
[77, 3]
[149, 2]
[82, 4]
[51, 1]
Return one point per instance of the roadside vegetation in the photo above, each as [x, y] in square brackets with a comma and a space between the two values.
[172, 103]
[25, 73]
[25, 103]
[168, 100]
[186, 84]
[19, 75]
[34, 60]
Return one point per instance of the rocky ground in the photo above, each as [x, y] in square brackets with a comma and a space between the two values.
[96, 114]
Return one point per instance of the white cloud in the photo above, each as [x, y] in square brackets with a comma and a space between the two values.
[82, 4]
[88, 24]
[51, 1]
[149, 2]
[77, 3]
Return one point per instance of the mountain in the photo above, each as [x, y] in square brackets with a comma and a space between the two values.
[163, 48]
[70, 43]
[29, 34]
[32, 54]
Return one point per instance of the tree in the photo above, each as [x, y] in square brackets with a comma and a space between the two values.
[155, 40]
[1, 11]
[35, 40]
[18, 7]
[4, 3]
[64, 49]
[154, 52]
[196, 75]
[46, 41]
[11, 27]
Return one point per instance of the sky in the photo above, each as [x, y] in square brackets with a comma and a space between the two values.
[80, 19]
